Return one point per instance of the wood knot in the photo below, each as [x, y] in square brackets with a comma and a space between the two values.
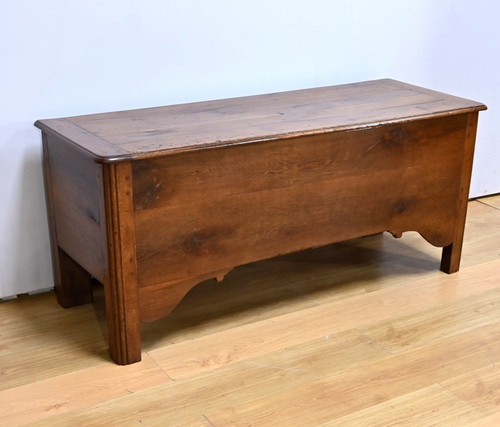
[397, 136]
[400, 207]
[391, 138]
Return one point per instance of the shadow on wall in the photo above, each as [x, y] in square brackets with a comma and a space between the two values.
[25, 263]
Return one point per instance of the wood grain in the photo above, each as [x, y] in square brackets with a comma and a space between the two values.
[24, 404]
[74, 183]
[480, 388]
[430, 406]
[357, 389]
[216, 209]
[492, 420]
[146, 132]
[174, 401]
[412, 331]
[28, 324]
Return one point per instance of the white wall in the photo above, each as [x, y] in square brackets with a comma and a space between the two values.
[67, 57]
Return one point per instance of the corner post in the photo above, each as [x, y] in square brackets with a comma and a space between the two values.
[450, 259]
[120, 287]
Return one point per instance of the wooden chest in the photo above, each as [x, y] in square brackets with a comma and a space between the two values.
[151, 202]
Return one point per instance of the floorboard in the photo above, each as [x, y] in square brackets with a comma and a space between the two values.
[367, 332]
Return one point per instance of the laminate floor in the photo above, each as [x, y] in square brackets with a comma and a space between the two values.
[366, 332]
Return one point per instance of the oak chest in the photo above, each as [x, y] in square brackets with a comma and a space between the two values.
[151, 202]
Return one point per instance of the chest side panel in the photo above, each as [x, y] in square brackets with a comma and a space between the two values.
[76, 187]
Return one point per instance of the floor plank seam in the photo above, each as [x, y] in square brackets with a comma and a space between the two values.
[487, 204]
[207, 420]
[160, 367]
[470, 404]
[375, 341]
